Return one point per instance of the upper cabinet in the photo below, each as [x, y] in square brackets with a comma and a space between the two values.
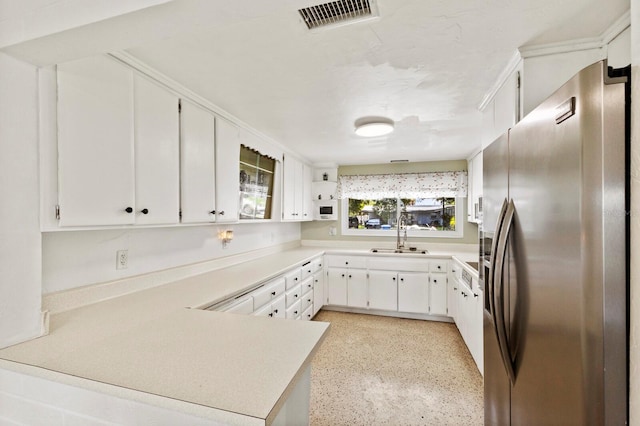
[474, 194]
[257, 178]
[227, 170]
[197, 164]
[157, 153]
[120, 149]
[296, 193]
[117, 146]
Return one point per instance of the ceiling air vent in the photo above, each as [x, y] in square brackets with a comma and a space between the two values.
[340, 12]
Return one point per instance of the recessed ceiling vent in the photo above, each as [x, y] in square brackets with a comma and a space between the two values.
[339, 12]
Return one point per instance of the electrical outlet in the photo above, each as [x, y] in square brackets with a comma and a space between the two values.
[122, 259]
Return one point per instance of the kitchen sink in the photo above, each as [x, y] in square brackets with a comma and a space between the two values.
[399, 251]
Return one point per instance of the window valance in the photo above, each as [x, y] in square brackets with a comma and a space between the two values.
[403, 185]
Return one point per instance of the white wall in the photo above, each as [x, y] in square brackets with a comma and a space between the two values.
[20, 278]
[76, 258]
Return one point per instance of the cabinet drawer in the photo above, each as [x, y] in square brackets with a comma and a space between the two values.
[396, 264]
[346, 261]
[268, 292]
[307, 300]
[293, 278]
[278, 307]
[293, 311]
[265, 311]
[307, 285]
[316, 265]
[439, 266]
[307, 270]
[307, 314]
[293, 295]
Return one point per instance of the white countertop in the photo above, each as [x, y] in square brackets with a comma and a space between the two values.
[153, 341]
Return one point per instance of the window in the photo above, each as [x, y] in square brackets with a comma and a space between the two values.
[256, 184]
[431, 202]
[426, 217]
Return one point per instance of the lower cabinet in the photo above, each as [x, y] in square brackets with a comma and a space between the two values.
[318, 291]
[292, 295]
[337, 287]
[357, 288]
[383, 290]
[413, 292]
[438, 293]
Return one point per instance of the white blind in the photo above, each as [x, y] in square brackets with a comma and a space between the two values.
[403, 185]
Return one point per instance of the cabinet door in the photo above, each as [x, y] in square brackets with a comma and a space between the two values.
[383, 290]
[413, 292]
[227, 171]
[357, 295]
[337, 286]
[318, 291]
[289, 188]
[438, 294]
[307, 201]
[298, 191]
[452, 299]
[95, 143]
[157, 153]
[197, 158]
[478, 350]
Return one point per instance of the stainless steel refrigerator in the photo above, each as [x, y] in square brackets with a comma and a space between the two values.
[555, 259]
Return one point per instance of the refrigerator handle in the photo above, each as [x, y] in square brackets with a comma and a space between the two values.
[498, 301]
[494, 247]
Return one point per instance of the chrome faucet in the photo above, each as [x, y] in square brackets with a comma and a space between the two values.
[402, 224]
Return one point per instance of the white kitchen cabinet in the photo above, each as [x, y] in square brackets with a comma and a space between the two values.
[296, 196]
[413, 292]
[293, 311]
[293, 278]
[438, 293]
[276, 308]
[357, 295]
[478, 350]
[157, 153]
[452, 291]
[307, 200]
[337, 286]
[307, 314]
[474, 189]
[95, 143]
[197, 164]
[307, 299]
[292, 296]
[227, 157]
[383, 290]
[318, 291]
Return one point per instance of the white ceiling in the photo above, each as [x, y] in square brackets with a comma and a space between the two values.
[426, 64]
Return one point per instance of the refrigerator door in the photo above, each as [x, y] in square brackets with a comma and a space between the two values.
[495, 191]
[556, 288]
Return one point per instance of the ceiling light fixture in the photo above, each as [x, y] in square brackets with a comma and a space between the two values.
[373, 126]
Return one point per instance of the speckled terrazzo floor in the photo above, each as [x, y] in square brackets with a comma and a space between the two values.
[373, 370]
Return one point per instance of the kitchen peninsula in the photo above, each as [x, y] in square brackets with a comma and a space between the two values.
[160, 347]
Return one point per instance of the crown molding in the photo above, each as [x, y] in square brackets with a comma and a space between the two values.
[599, 42]
[525, 52]
[512, 65]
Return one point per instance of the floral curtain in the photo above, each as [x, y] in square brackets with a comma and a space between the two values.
[403, 185]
